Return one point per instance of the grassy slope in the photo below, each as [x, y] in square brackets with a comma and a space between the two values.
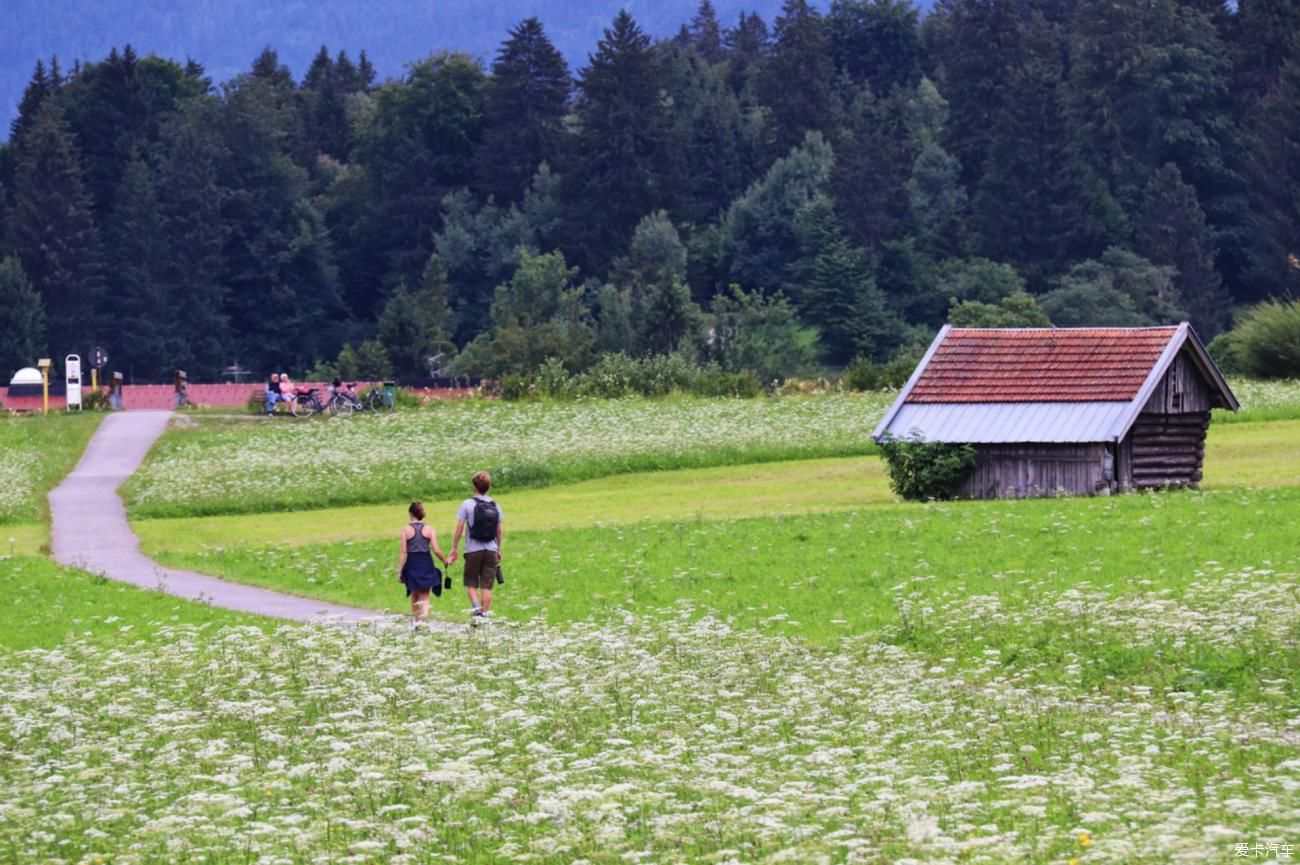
[211, 466]
[45, 604]
[1252, 454]
[826, 576]
[54, 444]
[715, 493]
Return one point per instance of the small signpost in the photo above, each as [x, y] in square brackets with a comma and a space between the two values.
[44, 364]
[72, 376]
[98, 360]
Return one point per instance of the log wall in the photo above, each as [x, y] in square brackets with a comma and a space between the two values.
[1165, 450]
[1023, 471]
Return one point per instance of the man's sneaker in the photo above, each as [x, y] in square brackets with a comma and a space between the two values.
[478, 618]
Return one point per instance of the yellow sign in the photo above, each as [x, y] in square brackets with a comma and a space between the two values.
[44, 364]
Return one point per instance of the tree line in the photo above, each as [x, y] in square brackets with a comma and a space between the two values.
[770, 197]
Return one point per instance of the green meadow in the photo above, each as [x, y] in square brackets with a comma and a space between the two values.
[735, 658]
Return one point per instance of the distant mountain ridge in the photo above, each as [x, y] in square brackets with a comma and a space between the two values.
[225, 35]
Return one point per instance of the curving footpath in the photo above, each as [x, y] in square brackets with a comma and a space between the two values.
[90, 530]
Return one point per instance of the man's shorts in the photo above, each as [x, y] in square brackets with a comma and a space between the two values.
[481, 569]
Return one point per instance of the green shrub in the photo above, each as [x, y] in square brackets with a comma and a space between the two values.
[920, 470]
[863, 375]
[1267, 337]
[94, 400]
[516, 387]
[404, 398]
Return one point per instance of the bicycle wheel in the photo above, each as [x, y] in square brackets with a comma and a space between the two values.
[304, 406]
[341, 405]
[386, 401]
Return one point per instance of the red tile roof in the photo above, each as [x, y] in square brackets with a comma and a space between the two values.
[1040, 365]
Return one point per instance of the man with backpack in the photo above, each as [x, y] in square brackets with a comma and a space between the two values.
[482, 546]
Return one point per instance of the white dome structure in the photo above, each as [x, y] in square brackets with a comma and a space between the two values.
[26, 376]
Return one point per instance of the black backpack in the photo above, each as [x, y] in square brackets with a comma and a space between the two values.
[486, 518]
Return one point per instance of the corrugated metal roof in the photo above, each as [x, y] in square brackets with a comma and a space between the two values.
[1009, 422]
[1092, 364]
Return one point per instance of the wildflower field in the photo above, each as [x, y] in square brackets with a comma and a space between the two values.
[752, 662]
[35, 452]
[662, 739]
[214, 465]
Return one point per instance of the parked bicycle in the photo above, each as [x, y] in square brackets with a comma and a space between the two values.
[343, 400]
[306, 403]
[378, 399]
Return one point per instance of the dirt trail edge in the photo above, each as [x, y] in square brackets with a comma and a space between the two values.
[90, 530]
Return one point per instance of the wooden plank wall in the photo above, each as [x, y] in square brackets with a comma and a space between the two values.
[1023, 471]
[1181, 390]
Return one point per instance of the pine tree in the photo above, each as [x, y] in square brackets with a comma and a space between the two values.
[798, 76]
[413, 325]
[277, 252]
[54, 232]
[147, 320]
[872, 165]
[524, 115]
[1265, 32]
[1171, 230]
[977, 47]
[706, 33]
[758, 240]
[935, 195]
[836, 289]
[190, 202]
[876, 42]
[324, 94]
[713, 142]
[1273, 250]
[22, 320]
[748, 46]
[39, 87]
[418, 145]
[115, 108]
[619, 166]
[1034, 204]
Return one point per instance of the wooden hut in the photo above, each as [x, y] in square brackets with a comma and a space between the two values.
[1073, 410]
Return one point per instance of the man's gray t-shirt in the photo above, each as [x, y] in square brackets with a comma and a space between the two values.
[466, 514]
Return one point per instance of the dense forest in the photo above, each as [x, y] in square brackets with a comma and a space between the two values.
[774, 197]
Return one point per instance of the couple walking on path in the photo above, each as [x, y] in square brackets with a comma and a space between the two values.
[418, 547]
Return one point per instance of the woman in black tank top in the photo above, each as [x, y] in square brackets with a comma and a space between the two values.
[415, 563]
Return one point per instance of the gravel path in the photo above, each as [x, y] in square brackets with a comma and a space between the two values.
[91, 532]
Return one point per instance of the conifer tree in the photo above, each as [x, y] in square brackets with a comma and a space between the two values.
[22, 320]
[1034, 204]
[190, 202]
[977, 47]
[748, 45]
[706, 33]
[524, 114]
[876, 42]
[798, 77]
[758, 241]
[836, 289]
[148, 321]
[413, 324]
[54, 232]
[620, 158]
[1171, 230]
[1273, 248]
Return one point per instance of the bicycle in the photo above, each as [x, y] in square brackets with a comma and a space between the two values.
[306, 403]
[343, 402]
[378, 400]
